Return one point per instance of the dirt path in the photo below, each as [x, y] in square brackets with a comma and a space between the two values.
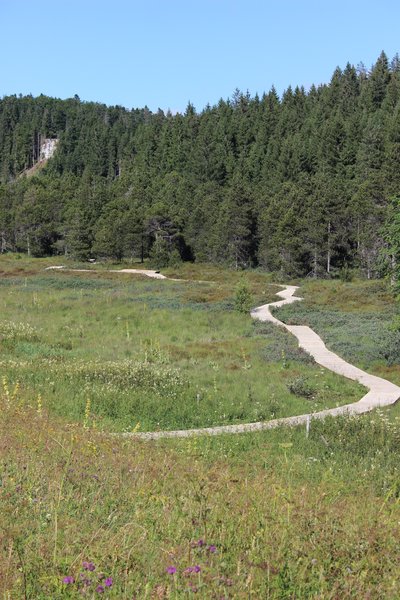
[381, 392]
[147, 272]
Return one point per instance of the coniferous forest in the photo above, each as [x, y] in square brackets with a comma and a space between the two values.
[305, 184]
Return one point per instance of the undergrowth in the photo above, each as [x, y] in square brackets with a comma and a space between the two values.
[164, 354]
[282, 514]
[267, 515]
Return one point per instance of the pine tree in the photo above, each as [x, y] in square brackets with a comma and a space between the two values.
[392, 237]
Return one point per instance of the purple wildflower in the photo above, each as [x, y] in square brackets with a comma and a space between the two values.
[100, 589]
[108, 582]
[200, 543]
[85, 580]
[88, 566]
[171, 570]
[68, 579]
[195, 569]
[212, 548]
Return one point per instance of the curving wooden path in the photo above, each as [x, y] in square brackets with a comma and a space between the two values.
[381, 392]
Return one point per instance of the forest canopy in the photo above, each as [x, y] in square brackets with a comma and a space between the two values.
[303, 184]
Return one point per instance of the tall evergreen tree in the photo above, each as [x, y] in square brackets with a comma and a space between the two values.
[300, 184]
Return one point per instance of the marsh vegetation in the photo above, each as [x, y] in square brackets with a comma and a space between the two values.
[277, 514]
[162, 354]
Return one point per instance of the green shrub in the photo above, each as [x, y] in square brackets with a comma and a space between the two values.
[346, 274]
[160, 254]
[243, 297]
[390, 348]
[174, 258]
[301, 387]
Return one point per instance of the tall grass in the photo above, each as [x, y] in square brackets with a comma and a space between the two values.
[94, 333]
[268, 515]
[277, 514]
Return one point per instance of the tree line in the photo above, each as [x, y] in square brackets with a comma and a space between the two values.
[305, 184]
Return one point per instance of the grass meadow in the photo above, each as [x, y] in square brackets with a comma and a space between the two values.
[277, 514]
[154, 354]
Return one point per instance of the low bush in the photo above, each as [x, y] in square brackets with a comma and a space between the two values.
[300, 386]
[243, 297]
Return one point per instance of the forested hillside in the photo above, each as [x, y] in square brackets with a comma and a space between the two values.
[303, 184]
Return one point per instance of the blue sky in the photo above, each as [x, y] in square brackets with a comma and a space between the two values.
[163, 53]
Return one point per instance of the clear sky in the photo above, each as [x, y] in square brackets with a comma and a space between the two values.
[163, 53]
